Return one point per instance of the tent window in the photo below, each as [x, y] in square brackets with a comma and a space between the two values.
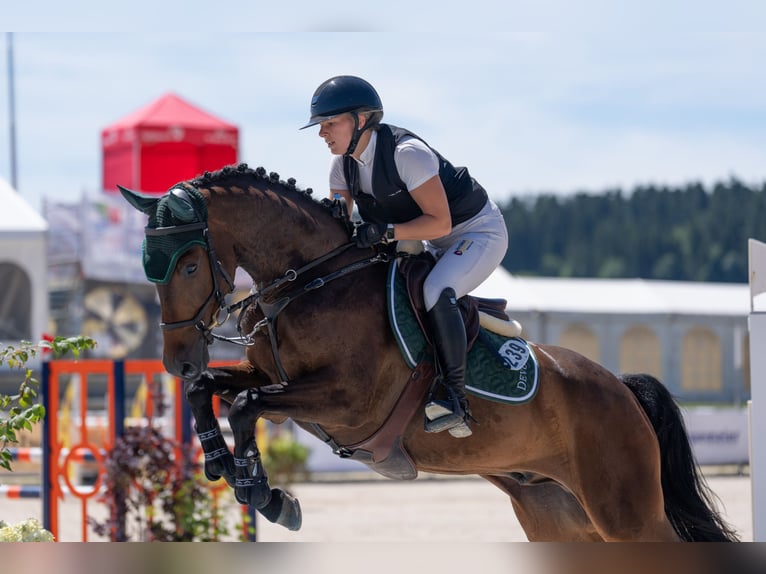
[15, 303]
[701, 362]
[581, 339]
[640, 351]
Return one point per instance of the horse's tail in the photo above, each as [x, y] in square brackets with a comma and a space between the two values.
[689, 502]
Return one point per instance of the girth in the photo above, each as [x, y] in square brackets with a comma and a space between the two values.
[383, 451]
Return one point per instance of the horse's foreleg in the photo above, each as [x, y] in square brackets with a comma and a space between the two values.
[218, 459]
[251, 485]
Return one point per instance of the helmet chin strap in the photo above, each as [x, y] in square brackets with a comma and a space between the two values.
[356, 135]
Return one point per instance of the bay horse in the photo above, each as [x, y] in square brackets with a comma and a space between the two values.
[593, 457]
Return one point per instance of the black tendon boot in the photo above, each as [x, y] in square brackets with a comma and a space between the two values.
[448, 333]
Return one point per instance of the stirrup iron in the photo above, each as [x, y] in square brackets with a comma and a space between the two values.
[439, 417]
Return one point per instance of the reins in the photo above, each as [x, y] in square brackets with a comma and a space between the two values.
[272, 310]
[289, 276]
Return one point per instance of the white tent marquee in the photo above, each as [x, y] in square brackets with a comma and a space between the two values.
[23, 269]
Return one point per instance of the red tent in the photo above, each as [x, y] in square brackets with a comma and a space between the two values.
[163, 143]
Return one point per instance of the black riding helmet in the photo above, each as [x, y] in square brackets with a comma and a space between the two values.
[340, 95]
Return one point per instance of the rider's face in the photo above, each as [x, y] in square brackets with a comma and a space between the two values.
[337, 132]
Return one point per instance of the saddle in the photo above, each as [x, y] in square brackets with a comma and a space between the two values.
[384, 451]
[415, 269]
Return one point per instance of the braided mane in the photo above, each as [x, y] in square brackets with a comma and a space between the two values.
[229, 173]
[215, 177]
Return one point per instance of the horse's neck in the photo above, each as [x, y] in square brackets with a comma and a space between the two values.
[274, 232]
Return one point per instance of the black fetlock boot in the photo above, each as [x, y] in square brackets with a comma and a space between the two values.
[448, 334]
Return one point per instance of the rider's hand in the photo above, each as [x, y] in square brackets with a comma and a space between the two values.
[369, 234]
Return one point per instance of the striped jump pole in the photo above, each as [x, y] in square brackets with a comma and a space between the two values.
[15, 491]
[20, 491]
[35, 454]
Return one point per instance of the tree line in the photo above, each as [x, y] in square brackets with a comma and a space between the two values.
[686, 233]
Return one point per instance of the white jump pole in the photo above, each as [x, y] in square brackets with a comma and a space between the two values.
[757, 327]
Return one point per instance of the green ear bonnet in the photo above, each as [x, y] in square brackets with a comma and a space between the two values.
[178, 222]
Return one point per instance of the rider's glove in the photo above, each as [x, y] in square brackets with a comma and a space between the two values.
[369, 234]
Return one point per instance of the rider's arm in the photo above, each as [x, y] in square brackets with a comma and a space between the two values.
[418, 167]
[435, 220]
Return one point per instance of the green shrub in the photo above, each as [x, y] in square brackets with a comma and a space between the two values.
[285, 459]
[156, 492]
[20, 411]
[29, 530]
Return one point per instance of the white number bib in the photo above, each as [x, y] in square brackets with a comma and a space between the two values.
[514, 353]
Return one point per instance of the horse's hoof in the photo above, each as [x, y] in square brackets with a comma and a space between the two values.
[256, 495]
[213, 477]
[221, 467]
[210, 475]
[283, 509]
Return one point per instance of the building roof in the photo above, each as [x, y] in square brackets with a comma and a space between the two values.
[16, 215]
[170, 110]
[617, 296]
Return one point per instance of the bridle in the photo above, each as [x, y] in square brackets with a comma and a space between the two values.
[216, 293]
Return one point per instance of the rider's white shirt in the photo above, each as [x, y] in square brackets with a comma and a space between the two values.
[465, 256]
[414, 161]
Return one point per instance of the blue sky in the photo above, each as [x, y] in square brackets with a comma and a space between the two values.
[545, 96]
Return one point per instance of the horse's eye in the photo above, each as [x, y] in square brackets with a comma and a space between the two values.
[190, 269]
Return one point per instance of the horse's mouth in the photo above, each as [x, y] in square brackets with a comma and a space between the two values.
[190, 372]
[185, 368]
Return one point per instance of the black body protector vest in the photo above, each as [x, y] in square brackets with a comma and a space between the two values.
[392, 202]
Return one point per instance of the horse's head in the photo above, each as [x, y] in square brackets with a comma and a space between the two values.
[179, 258]
[254, 220]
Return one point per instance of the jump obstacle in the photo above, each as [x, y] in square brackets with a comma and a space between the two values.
[57, 457]
[35, 455]
[757, 328]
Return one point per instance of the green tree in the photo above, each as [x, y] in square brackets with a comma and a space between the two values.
[684, 233]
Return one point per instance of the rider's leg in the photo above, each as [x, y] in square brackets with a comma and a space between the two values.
[465, 258]
[448, 334]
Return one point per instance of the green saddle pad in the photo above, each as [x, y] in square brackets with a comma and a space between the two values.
[499, 368]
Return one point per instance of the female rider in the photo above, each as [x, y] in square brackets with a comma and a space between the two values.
[405, 190]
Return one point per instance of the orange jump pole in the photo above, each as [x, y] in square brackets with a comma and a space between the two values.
[54, 471]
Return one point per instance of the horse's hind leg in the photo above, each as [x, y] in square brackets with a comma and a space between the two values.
[252, 484]
[629, 509]
[623, 498]
[546, 511]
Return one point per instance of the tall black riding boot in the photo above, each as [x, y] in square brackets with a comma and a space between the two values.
[448, 333]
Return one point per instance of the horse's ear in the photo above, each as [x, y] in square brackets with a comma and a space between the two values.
[140, 201]
[181, 205]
